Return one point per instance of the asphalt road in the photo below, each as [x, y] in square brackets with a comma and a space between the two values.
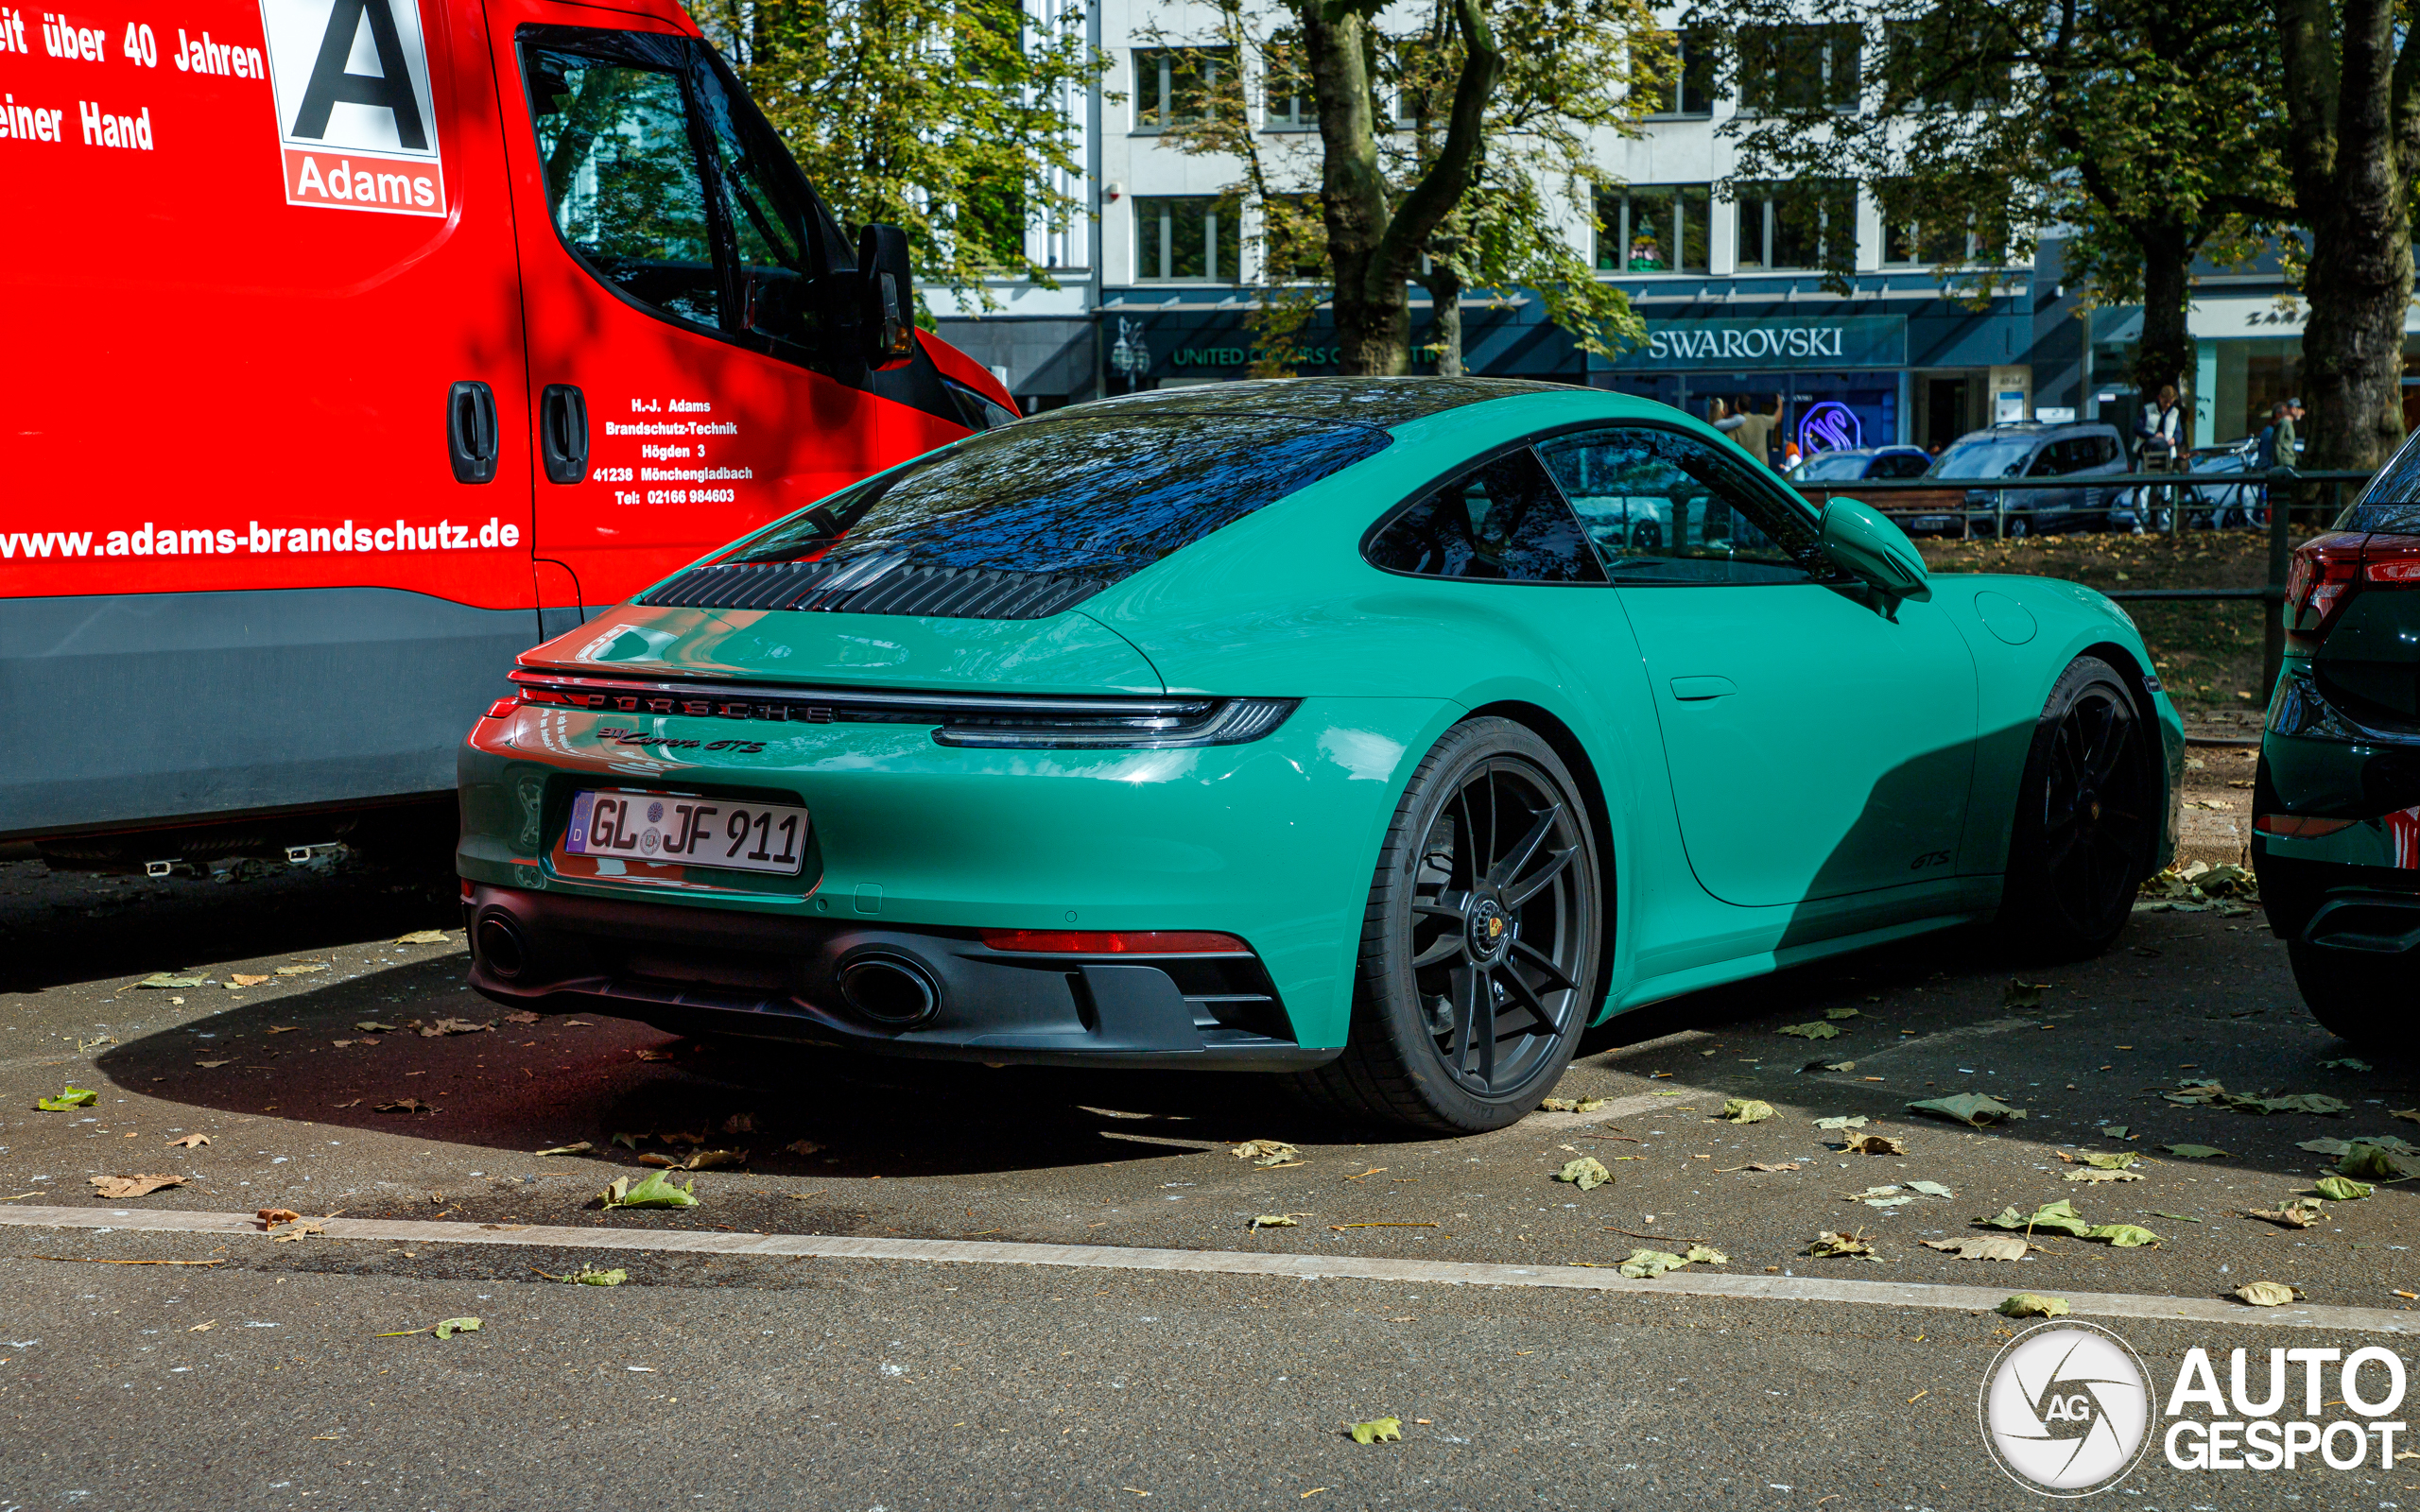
[754, 1381]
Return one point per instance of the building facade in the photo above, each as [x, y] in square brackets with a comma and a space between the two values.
[1727, 277]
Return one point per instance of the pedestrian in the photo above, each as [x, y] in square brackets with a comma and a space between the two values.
[1756, 431]
[2279, 419]
[1722, 418]
[2159, 431]
[2289, 445]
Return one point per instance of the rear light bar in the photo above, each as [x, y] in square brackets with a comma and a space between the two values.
[1116, 942]
[2297, 826]
[2327, 571]
[1006, 720]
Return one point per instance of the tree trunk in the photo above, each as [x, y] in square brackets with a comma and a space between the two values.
[2163, 353]
[1445, 289]
[1373, 248]
[1353, 191]
[2350, 148]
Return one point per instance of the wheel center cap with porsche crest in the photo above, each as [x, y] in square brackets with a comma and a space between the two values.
[1491, 931]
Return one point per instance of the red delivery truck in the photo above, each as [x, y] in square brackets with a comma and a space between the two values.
[355, 346]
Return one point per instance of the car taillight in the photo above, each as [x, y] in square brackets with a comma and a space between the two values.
[2298, 826]
[2324, 570]
[502, 707]
[2328, 570]
[1114, 942]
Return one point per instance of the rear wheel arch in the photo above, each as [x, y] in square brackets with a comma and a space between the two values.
[1559, 737]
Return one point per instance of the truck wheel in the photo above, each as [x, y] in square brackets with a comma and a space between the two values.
[2086, 823]
[2350, 993]
[1478, 947]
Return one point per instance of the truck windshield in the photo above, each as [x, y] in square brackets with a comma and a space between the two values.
[1105, 495]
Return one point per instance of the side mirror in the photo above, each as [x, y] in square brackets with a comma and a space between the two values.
[887, 297]
[1878, 552]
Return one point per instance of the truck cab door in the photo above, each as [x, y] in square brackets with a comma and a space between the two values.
[667, 245]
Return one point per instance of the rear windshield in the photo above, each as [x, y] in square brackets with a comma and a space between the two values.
[1102, 495]
[2391, 502]
[1832, 468]
[1982, 459]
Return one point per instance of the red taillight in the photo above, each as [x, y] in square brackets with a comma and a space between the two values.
[2298, 826]
[502, 707]
[2316, 583]
[466, 889]
[1114, 941]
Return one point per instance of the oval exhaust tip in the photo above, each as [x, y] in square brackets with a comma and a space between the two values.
[890, 990]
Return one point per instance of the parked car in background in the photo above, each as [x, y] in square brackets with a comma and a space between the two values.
[1862, 462]
[2022, 449]
[1302, 726]
[2214, 504]
[2336, 799]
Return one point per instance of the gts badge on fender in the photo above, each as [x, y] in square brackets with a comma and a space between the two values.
[1930, 858]
[631, 737]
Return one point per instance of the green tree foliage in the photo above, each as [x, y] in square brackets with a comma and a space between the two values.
[948, 118]
[1455, 155]
[2140, 127]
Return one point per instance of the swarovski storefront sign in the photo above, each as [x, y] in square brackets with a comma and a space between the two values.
[1774, 341]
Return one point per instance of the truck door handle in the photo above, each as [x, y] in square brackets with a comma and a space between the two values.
[563, 433]
[1689, 690]
[469, 432]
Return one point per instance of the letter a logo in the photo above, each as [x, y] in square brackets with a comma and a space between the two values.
[356, 117]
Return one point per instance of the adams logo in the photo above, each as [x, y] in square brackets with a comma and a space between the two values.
[2067, 1409]
[356, 122]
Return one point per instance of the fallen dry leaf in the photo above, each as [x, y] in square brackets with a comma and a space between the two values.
[374, 1026]
[422, 937]
[213, 1065]
[1982, 1246]
[244, 979]
[523, 1016]
[1874, 1144]
[1828, 1242]
[283, 1028]
[702, 1159]
[446, 1027]
[303, 1229]
[1760, 1166]
[190, 1140]
[580, 1148]
[664, 1162]
[1573, 1105]
[2268, 1294]
[2034, 1304]
[802, 1147]
[1376, 1431]
[304, 968]
[1587, 1173]
[273, 1217]
[652, 1055]
[2295, 1214]
[406, 1105]
[1275, 1220]
[739, 1124]
[203, 1328]
[132, 1186]
[1264, 1152]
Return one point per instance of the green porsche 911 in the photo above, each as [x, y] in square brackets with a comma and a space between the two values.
[1357, 730]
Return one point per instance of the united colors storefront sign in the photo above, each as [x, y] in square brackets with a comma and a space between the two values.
[1734, 345]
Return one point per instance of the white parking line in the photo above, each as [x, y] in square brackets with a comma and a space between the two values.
[1690, 1282]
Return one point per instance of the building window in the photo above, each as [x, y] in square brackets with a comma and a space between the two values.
[1173, 85]
[1654, 229]
[1916, 241]
[1809, 223]
[1287, 85]
[1688, 85]
[1800, 68]
[1931, 63]
[1186, 236]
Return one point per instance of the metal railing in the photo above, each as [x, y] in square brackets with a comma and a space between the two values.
[2299, 493]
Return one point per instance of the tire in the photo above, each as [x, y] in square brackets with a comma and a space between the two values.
[2012, 527]
[1474, 982]
[2087, 824]
[2352, 995]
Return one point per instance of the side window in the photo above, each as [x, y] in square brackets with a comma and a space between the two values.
[1661, 507]
[2104, 449]
[622, 179]
[1501, 520]
[1901, 464]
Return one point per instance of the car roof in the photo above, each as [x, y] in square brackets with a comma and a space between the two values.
[1382, 402]
[2036, 430]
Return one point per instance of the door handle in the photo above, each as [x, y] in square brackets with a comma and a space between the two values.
[1691, 690]
[469, 432]
[563, 433]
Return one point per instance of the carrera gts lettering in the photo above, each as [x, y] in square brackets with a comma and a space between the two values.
[631, 737]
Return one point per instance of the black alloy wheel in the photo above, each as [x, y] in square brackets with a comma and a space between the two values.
[2088, 821]
[1479, 947]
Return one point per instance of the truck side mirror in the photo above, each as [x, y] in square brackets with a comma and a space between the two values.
[886, 297]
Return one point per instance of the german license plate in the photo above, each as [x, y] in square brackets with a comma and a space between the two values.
[687, 830]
